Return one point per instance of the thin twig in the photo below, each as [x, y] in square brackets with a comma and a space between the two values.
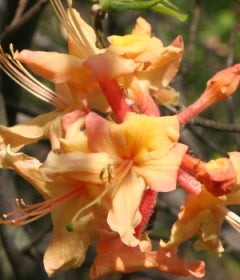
[19, 12]
[231, 43]
[190, 49]
[20, 21]
[210, 124]
[207, 141]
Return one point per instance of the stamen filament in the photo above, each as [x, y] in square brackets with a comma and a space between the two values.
[70, 226]
[72, 26]
[232, 218]
[109, 186]
[15, 70]
[27, 213]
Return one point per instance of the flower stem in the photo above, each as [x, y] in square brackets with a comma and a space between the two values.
[222, 85]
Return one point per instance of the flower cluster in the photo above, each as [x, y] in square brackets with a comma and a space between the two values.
[112, 153]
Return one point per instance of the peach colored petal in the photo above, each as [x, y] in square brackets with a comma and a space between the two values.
[140, 94]
[198, 217]
[67, 249]
[160, 171]
[142, 27]
[128, 139]
[27, 133]
[168, 262]
[87, 37]
[107, 66]
[98, 129]
[114, 256]
[235, 159]
[209, 233]
[56, 67]
[124, 214]
[130, 46]
[77, 166]
[154, 153]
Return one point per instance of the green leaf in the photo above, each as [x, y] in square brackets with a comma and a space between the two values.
[161, 9]
[124, 5]
[158, 6]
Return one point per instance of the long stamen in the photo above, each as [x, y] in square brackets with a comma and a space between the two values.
[70, 227]
[232, 218]
[72, 26]
[15, 70]
[109, 187]
[27, 213]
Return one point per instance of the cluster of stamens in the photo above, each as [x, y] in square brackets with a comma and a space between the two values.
[27, 213]
[18, 73]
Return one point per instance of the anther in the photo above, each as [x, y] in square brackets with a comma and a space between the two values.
[102, 173]
[110, 173]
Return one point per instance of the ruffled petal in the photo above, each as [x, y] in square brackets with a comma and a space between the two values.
[160, 172]
[198, 216]
[129, 140]
[114, 256]
[154, 152]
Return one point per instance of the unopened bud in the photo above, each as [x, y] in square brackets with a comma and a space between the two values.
[219, 87]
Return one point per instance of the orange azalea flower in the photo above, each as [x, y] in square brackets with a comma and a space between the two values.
[63, 199]
[64, 194]
[154, 66]
[138, 160]
[75, 85]
[204, 213]
[140, 63]
[106, 166]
